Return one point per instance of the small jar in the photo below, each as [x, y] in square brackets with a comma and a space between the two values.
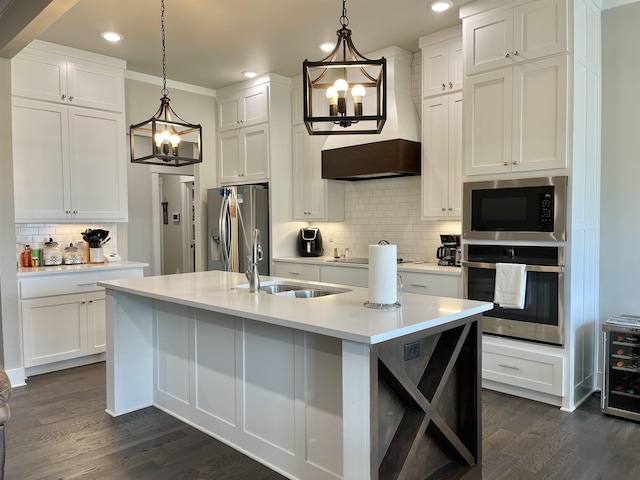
[51, 254]
[71, 255]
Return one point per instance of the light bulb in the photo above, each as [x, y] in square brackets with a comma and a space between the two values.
[358, 92]
[175, 140]
[332, 95]
[341, 87]
[158, 139]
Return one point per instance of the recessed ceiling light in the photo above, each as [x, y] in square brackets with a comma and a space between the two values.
[441, 5]
[111, 36]
[249, 74]
[327, 46]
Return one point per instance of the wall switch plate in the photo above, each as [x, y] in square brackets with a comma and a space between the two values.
[411, 350]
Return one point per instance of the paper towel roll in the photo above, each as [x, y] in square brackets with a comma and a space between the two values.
[383, 274]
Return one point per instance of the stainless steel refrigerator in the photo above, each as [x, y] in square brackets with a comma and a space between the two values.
[233, 213]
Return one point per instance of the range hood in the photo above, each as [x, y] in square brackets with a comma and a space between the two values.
[393, 152]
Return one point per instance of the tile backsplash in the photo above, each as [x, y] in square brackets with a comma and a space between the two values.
[63, 233]
[388, 209]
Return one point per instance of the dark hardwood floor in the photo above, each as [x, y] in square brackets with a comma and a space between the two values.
[59, 430]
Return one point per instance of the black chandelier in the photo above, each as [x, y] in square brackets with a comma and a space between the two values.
[167, 130]
[326, 83]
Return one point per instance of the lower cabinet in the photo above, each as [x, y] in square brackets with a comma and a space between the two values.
[424, 283]
[63, 327]
[63, 316]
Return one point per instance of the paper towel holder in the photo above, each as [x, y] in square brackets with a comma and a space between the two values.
[388, 306]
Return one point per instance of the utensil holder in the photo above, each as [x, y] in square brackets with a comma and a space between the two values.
[95, 255]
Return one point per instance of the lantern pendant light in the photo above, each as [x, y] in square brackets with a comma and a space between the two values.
[326, 83]
[167, 130]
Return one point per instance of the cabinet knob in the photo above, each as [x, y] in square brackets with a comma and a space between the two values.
[90, 301]
[506, 163]
[444, 87]
[507, 55]
[75, 211]
[515, 53]
[450, 208]
[444, 209]
[67, 212]
[450, 85]
[63, 96]
[514, 163]
[82, 302]
[71, 98]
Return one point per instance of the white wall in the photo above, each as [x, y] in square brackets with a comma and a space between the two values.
[11, 357]
[620, 217]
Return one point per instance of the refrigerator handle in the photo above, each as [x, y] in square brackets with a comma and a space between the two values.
[223, 224]
[604, 393]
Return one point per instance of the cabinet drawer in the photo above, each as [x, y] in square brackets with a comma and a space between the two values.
[66, 283]
[534, 371]
[355, 277]
[296, 271]
[430, 284]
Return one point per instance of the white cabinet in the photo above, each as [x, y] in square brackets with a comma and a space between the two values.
[54, 78]
[506, 36]
[63, 315]
[296, 271]
[355, 277]
[431, 284]
[313, 197]
[244, 154]
[442, 67]
[69, 163]
[243, 109]
[442, 143]
[516, 118]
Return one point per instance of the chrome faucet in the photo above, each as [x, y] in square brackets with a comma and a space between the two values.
[256, 256]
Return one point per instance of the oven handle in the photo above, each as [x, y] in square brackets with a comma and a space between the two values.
[530, 268]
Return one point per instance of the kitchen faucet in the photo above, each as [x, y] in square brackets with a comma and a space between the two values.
[254, 258]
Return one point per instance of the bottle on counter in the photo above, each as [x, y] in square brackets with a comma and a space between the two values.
[36, 253]
[26, 256]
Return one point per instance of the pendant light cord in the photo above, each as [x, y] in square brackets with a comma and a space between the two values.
[164, 92]
[344, 21]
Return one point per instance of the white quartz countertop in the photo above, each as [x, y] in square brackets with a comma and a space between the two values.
[402, 267]
[79, 268]
[342, 315]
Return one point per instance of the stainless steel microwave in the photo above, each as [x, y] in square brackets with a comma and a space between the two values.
[531, 209]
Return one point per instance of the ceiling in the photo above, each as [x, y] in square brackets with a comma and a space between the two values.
[210, 42]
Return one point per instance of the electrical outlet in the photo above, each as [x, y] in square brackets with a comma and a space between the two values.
[411, 350]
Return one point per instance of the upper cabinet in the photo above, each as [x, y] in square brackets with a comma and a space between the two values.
[515, 34]
[53, 78]
[244, 108]
[515, 89]
[69, 148]
[442, 62]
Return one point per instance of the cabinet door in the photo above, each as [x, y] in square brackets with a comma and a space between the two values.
[442, 68]
[40, 160]
[229, 155]
[96, 323]
[431, 284]
[97, 165]
[456, 142]
[54, 329]
[243, 109]
[228, 113]
[39, 77]
[487, 122]
[540, 114]
[435, 156]
[357, 277]
[540, 29]
[255, 152]
[296, 271]
[309, 189]
[488, 41]
[95, 86]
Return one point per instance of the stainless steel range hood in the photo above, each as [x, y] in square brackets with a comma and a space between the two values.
[396, 150]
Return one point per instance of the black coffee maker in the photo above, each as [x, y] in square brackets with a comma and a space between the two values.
[448, 254]
[310, 242]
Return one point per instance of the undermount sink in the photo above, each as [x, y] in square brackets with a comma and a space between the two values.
[297, 290]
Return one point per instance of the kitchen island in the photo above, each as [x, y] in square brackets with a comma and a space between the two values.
[315, 388]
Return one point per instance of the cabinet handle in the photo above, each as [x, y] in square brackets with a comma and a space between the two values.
[90, 284]
[71, 98]
[294, 273]
[510, 367]
[450, 85]
[63, 96]
[417, 285]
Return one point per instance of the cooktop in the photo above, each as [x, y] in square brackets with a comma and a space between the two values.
[363, 261]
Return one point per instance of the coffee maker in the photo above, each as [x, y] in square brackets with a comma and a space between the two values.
[449, 253]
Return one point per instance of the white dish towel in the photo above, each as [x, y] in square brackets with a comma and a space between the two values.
[511, 285]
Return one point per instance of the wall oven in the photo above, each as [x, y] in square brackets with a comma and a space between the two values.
[531, 209]
[541, 319]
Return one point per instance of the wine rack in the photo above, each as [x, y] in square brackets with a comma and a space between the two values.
[621, 385]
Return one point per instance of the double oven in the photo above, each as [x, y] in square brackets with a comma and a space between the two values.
[517, 221]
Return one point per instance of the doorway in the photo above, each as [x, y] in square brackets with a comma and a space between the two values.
[176, 194]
